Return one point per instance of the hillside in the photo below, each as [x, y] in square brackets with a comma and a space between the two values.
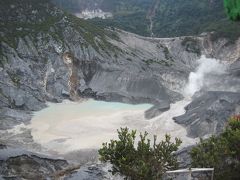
[48, 55]
[160, 18]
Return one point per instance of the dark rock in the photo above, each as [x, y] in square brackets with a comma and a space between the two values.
[208, 113]
[2, 146]
[65, 93]
[184, 158]
[11, 117]
[31, 167]
[89, 172]
[235, 68]
[94, 172]
[33, 72]
[156, 110]
[184, 176]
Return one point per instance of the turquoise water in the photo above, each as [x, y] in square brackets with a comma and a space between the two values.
[70, 126]
[90, 106]
[100, 105]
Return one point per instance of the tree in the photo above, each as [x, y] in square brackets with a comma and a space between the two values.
[143, 162]
[222, 152]
[233, 9]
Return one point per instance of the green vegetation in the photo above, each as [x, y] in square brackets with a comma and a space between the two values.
[26, 17]
[171, 18]
[221, 152]
[233, 9]
[16, 30]
[94, 35]
[135, 22]
[31, 18]
[146, 161]
[167, 54]
[181, 18]
[127, 13]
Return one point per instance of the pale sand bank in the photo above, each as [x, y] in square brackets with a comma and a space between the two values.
[72, 126]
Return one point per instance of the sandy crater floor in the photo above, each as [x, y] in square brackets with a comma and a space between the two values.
[72, 126]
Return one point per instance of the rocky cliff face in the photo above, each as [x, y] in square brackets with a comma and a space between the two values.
[16, 163]
[48, 55]
[70, 58]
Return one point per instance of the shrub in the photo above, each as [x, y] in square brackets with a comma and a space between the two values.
[233, 9]
[222, 152]
[145, 161]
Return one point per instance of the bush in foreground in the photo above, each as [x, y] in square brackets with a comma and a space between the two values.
[222, 152]
[143, 161]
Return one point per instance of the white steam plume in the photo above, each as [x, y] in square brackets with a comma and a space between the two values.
[197, 79]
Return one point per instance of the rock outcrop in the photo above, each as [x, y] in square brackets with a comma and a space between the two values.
[49, 55]
[21, 164]
[208, 113]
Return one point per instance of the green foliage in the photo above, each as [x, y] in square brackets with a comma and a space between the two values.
[26, 17]
[94, 35]
[32, 18]
[225, 29]
[144, 162]
[233, 9]
[234, 122]
[133, 22]
[222, 152]
[171, 18]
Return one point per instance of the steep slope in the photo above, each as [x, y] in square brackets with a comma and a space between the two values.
[159, 17]
[49, 55]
